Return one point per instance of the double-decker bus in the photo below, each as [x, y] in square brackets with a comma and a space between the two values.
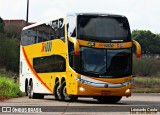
[79, 55]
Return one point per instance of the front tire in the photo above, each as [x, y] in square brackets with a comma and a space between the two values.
[64, 94]
[109, 99]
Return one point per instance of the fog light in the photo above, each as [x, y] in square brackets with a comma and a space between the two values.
[82, 89]
[128, 91]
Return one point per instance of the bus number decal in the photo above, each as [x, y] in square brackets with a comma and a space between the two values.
[46, 47]
[106, 45]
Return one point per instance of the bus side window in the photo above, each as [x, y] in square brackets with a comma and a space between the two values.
[47, 31]
[53, 63]
[70, 51]
[62, 38]
[58, 28]
[71, 26]
[73, 59]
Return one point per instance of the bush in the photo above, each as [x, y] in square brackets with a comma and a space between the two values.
[145, 66]
[9, 89]
[146, 85]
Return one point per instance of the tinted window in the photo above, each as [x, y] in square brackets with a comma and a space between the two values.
[106, 63]
[44, 32]
[54, 63]
[103, 28]
[70, 52]
[71, 26]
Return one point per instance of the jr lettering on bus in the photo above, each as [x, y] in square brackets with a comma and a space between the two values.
[46, 46]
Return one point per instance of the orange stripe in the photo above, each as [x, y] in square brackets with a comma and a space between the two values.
[33, 71]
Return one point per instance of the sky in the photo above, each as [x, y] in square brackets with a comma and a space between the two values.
[142, 14]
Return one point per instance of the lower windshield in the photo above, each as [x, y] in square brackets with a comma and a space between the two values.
[105, 63]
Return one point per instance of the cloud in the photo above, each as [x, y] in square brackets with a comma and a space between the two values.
[12, 9]
[142, 14]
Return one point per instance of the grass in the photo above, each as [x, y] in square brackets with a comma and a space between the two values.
[147, 85]
[9, 89]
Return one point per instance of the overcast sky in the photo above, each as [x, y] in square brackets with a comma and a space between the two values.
[142, 14]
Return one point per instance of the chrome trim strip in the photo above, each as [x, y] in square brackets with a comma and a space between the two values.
[101, 84]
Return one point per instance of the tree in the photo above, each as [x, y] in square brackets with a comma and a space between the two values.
[1, 25]
[12, 31]
[149, 41]
[9, 53]
[9, 48]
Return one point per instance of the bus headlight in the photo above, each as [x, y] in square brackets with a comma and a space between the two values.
[82, 89]
[128, 91]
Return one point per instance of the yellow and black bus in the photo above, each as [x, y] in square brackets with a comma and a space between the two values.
[79, 55]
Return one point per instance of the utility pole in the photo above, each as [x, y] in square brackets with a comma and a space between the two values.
[27, 12]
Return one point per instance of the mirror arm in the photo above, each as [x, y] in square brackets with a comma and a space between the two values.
[138, 48]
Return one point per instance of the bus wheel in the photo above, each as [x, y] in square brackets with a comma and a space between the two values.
[65, 96]
[26, 88]
[109, 99]
[30, 91]
[57, 93]
[33, 95]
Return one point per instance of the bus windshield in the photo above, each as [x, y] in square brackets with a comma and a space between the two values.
[106, 63]
[103, 28]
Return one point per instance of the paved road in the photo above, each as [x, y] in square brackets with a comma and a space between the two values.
[138, 103]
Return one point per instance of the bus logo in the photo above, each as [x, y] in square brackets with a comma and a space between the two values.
[120, 45]
[91, 44]
[46, 46]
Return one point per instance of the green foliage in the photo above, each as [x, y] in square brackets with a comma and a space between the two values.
[4, 72]
[8, 88]
[11, 32]
[9, 53]
[148, 81]
[145, 66]
[149, 41]
[9, 48]
[1, 25]
[146, 84]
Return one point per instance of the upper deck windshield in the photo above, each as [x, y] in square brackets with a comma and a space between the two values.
[103, 28]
